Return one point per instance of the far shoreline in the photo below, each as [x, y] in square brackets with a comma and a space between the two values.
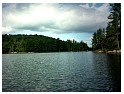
[39, 52]
[96, 51]
[109, 51]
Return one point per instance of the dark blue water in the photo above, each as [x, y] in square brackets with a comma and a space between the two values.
[63, 71]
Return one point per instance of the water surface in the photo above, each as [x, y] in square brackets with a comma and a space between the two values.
[62, 71]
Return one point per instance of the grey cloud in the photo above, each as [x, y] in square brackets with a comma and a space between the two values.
[57, 18]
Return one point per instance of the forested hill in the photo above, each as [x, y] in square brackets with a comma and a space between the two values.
[39, 43]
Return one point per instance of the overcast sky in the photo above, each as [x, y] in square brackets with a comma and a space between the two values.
[64, 21]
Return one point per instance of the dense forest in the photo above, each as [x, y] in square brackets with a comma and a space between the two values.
[39, 43]
[109, 38]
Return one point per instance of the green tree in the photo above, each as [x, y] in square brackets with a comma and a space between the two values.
[111, 38]
[38, 43]
[114, 26]
[98, 40]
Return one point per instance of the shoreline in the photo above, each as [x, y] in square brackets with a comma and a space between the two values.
[20, 52]
[97, 51]
[109, 51]
[37, 52]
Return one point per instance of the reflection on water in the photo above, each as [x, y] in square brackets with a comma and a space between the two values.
[110, 71]
[63, 71]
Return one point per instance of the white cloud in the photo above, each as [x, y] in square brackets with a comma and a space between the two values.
[6, 29]
[88, 41]
[57, 18]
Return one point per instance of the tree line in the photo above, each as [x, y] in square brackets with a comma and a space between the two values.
[39, 43]
[109, 38]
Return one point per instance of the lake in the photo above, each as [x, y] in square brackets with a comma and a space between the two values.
[61, 72]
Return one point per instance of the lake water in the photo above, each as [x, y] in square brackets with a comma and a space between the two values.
[62, 71]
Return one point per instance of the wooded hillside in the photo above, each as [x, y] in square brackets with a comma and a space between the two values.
[39, 43]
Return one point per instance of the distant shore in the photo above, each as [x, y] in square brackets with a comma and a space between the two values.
[20, 52]
[110, 51]
[36, 52]
[97, 51]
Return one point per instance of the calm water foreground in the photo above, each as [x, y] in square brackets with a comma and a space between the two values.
[63, 71]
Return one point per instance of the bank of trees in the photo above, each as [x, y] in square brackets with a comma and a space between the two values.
[39, 43]
[109, 38]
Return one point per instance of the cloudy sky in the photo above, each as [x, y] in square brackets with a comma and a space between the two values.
[64, 20]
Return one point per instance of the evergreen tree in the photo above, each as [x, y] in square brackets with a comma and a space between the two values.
[114, 26]
[38, 43]
[98, 41]
[111, 38]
